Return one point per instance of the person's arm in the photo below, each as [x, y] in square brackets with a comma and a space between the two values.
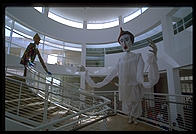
[107, 79]
[41, 60]
[153, 74]
[140, 70]
[89, 80]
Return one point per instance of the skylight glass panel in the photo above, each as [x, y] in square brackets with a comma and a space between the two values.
[144, 9]
[72, 45]
[72, 48]
[65, 21]
[115, 44]
[53, 44]
[53, 40]
[39, 9]
[7, 33]
[103, 25]
[132, 16]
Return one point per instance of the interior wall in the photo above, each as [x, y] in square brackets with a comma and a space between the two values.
[31, 18]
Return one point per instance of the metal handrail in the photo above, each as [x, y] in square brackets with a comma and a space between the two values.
[81, 112]
[148, 97]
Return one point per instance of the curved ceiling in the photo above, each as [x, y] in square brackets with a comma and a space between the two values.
[92, 14]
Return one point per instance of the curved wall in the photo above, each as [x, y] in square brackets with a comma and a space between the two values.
[31, 18]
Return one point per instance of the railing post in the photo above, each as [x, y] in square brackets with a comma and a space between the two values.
[46, 104]
[5, 70]
[51, 87]
[19, 98]
[38, 83]
[115, 107]
[34, 79]
[169, 113]
[104, 124]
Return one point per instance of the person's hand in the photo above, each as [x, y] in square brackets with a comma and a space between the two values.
[153, 46]
[82, 68]
[49, 73]
[31, 64]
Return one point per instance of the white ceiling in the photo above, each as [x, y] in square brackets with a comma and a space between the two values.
[92, 14]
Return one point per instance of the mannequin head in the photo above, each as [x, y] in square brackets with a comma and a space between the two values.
[36, 39]
[125, 39]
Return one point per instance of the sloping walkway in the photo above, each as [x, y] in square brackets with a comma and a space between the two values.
[118, 123]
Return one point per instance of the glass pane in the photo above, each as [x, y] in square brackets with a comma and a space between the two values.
[190, 77]
[103, 25]
[8, 22]
[22, 29]
[48, 39]
[188, 24]
[52, 59]
[180, 29]
[15, 50]
[144, 9]
[188, 17]
[20, 41]
[39, 9]
[7, 34]
[52, 46]
[132, 16]
[6, 46]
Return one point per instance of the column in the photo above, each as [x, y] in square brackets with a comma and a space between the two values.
[11, 33]
[83, 62]
[45, 11]
[83, 59]
[173, 79]
[120, 21]
[174, 88]
[168, 34]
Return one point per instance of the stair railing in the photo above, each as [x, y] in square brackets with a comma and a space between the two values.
[92, 103]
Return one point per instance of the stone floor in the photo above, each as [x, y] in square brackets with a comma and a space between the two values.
[118, 123]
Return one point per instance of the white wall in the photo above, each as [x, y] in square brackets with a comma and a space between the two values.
[31, 18]
[181, 56]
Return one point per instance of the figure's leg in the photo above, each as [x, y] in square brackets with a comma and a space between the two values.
[137, 111]
[25, 71]
[130, 117]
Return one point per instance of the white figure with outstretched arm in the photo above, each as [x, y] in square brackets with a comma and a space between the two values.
[130, 71]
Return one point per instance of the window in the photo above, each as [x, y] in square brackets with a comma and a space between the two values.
[103, 25]
[7, 34]
[65, 21]
[95, 57]
[8, 22]
[132, 16]
[144, 9]
[52, 59]
[39, 9]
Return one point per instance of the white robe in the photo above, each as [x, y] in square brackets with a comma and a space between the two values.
[130, 70]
